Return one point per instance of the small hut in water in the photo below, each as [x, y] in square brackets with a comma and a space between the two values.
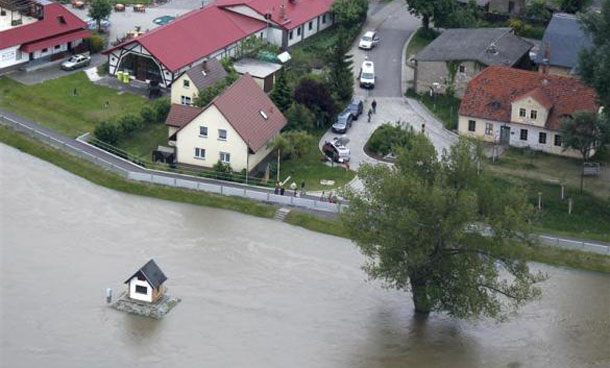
[147, 283]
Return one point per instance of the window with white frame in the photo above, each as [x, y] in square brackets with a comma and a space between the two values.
[290, 34]
[186, 100]
[57, 47]
[472, 125]
[523, 135]
[186, 83]
[222, 134]
[199, 153]
[522, 113]
[557, 140]
[489, 128]
[542, 138]
[324, 19]
[462, 69]
[203, 131]
[310, 25]
[225, 157]
[299, 31]
[533, 114]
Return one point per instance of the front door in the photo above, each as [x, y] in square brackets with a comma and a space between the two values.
[504, 134]
[141, 66]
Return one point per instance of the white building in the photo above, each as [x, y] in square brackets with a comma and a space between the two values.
[146, 284]
[522, 108]
[38, 32]
[216, 31]
[234, 128]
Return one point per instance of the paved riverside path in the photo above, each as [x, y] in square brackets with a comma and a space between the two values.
[129, 166]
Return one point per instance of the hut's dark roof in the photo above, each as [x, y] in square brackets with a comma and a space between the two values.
[152, 273]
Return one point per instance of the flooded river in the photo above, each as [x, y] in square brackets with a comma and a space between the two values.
[256, 293]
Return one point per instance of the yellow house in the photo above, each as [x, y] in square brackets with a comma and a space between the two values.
[522, 108]
[187, 86]
[234, 128]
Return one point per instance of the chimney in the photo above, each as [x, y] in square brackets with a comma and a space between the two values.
[547, 57]
[282, 11]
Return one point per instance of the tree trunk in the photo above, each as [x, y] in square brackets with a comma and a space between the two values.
[420, 295]
[425, 21]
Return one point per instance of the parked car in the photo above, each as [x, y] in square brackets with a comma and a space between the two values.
[367, 74]
[76, 61]
[343, 122]
[355, 107]
[368, 41]
[92, 23]
[335, 151]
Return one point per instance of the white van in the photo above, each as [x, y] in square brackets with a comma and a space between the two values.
[367, 74]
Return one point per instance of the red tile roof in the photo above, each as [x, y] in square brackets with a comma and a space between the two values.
[49, 42]
[47, 28]
[243, 105]
[195, 35]
[295, 13]
[490, 94]
[180, 115]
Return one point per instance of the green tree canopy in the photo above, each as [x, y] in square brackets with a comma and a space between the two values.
[300, 118]
[349, 13]
[340, 75]
[537, 10]
[443, 231]
[100, 10]
[573, 6]
[436, 11]
[585, 131]
[281, 94]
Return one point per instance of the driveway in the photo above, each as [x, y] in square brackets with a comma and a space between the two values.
[394, 25]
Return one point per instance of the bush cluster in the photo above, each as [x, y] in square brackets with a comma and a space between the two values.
[112, 131]
[388, 137]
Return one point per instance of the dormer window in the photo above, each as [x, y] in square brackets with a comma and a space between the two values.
[61, 19]
[533, 114]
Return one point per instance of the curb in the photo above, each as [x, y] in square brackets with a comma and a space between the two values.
[403, 64]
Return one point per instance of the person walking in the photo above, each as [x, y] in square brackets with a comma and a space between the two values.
[282, 190]
[277, 188]
[374, 105]
[369, 114]
[303, 188]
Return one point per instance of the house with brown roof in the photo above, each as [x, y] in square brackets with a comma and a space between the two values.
[522, 108]
[186, 88]
[234, 128]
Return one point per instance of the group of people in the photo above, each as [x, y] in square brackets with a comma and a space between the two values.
[279, 188]
[373, 109]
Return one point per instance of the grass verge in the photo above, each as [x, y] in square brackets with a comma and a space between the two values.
[111, 180]
[543, 254]
[54, 104]
[420, 39]
[442, 106]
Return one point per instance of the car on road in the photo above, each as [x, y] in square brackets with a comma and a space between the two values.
[356, 107]
[343, 122]
[336, 151]
[367, 74]
[368, 41]
[76, 61]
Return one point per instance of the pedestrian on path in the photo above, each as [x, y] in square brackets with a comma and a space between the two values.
[369, 114]
[282, 190]
[303, 188]
[374, 105]
[277, 188]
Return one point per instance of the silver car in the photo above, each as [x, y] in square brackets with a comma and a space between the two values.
[76, 61]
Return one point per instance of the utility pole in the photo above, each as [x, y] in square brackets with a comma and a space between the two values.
[278, 164]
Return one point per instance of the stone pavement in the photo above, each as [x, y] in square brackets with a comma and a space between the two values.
[51, 72]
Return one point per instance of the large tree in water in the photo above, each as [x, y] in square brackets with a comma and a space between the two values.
[442, 229]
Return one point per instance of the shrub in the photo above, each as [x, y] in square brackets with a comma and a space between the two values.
[300, 118]
[148, 115]
[107, 132]
[388, 137]
[130, 123]
[161, 108]
[96, 43]
[315, 95]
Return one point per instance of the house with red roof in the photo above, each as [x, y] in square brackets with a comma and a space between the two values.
[36, 32]
[522, 108]
[216, 31]
[234, 128]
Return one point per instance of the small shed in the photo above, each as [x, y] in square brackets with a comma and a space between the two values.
[147, 283]
[263, 72]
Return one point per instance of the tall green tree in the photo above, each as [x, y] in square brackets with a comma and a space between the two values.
[442, 230]
[594, 61]
[340, 74]
[585, 131]
[537, 10]
[300, 118]
[281, 94]
[349, 13]
[436, 11]
[573, 6]
[99, 10]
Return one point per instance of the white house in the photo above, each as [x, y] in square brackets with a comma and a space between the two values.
[147, 283]
[234, 128]
[38, 32]
[186, 88]
[522, 108]
[216, 31]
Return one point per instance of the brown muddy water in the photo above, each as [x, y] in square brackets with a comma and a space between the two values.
[256, 293]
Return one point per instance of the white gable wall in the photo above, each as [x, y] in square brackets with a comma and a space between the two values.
[137, 296]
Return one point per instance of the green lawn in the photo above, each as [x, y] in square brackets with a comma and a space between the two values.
[142, 143]
[53, 103]
[311, 169]
[444, 107]
[420, 39]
